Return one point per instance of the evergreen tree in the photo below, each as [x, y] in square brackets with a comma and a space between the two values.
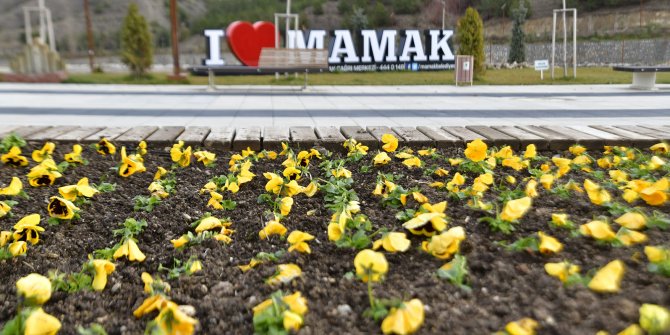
[470, 34]
[517, 48]
[137, 50]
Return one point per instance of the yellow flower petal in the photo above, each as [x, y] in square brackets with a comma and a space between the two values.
[608, 278]
[41, 323]
[370, 265]
[549, 244]
[654, 319]
[35, 288]
[476, 150]
[515, 209]
[404, 320]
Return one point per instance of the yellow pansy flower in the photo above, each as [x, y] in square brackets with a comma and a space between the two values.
[14, 188]
[632, 220]
[547, 180]
[83, 189]
[661, 148]
[390, 143]
[44, 153]
[102, 269]
[35, 288]
[560, 220]
[341, 173]
[172, 321]
[207, 158]
[381, 158]
[285, 205]
[105, 147]
[515, 209]
[273, 227]
[61, 209]
[215, 200]
[654, 319]
[5, 237]
[291, 321]
[44, 174]
[428, 220]
[285, 274]
[656, 194]
[195, 267]
[531, 188]
[657, 254]
[28, 227]
[608, 278]
[75, 155]
[412, 162]
[476, 150]
[292, 173]
[577, 149]
[4, 209]
[392, 242]
[444, 245]
[629, 237]
[130, 250]
[298, 241]
[179, 155]
[150, 304]
[252, 264]
[514, 163]
[525, 326]
[618, 176]
[549, 244]
[130, 164]
[41, 323]
[208, 223]
[599, 230]
[274, 183]
[180, 242]
[334, 231]
[13, 157]
[370, 265]
[531, 152]
[160, 172]
[18, 248]
[562, 270]
[597, 194]
[405, 319]
[655, 163]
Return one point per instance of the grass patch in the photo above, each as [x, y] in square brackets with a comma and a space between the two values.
[595, 75]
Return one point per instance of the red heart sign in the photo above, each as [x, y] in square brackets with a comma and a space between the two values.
[247, 40]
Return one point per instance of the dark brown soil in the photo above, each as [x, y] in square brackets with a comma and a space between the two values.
[506, 286]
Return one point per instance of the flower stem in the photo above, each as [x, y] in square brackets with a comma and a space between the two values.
[372, 299]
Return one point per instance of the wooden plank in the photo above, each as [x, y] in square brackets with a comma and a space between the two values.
[26, 131]
[555, 141]
[496, 138]
[303, 137]
[165, 134]
[77, 135]
[136, 134]
[50, 133]
[610, 139]
[247, 137]
[643, 131]
[361, 136]
[194, 135]
[379, 131]
[274, 136]
[330, 138]
[636, 139]
[663, 130]
[463, 133]
[413, 137]
[6, 130]
[110, 133]
[220, 138]
[584, 139]
[525, 137]
[441, 138]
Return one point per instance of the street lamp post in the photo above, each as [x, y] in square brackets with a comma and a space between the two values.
[89, 35]
[444, 10]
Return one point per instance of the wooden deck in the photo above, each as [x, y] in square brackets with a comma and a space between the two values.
[257, 138]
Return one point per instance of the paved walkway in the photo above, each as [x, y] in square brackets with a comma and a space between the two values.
[268, 106]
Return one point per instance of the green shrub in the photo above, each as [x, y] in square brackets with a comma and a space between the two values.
[137, 50]
[470, 35]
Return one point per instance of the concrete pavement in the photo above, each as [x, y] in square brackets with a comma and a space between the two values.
[240, 106]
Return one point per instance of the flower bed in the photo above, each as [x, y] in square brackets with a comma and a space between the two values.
[467, 241]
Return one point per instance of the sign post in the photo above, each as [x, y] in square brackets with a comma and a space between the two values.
[542, 65]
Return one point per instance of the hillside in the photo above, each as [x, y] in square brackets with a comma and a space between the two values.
[196, 15]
